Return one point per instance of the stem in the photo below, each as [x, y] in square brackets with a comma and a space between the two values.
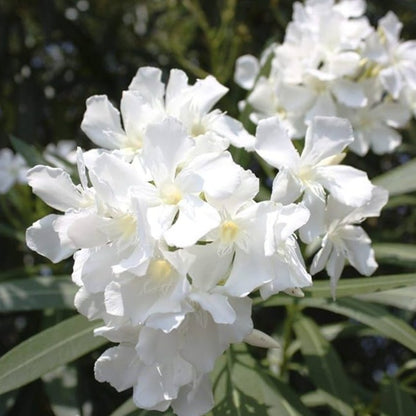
[292, 311]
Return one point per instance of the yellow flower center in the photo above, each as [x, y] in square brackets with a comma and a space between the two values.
[171, 194]
[197, 129]
[159, 269]
[229, 231]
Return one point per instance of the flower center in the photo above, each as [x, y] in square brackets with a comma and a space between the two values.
[198, 128]
[127, 225]
[229, 231]
[159, 269]
[171, 194]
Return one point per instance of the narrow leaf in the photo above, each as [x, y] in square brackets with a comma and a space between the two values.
[37, 293]
[324, 365]
[399, 180]
[400, 254]
[374, 316]
[395, 401]
[29, 152]
[47, 350]
[403, 298]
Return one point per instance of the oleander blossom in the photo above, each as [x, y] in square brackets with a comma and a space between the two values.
[13, 170]
[167, 236]
[332, 62]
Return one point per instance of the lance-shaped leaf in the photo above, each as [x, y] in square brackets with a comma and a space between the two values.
[37, 293]
[324, 365]
[242, 389]
[399, 180]
[374, 316]
[395, 401]
[47, 350]
[399, 254]
[404, 298]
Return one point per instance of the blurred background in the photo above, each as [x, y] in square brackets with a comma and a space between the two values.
[54, 54]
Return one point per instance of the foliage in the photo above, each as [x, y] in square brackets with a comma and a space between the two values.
[349, 356]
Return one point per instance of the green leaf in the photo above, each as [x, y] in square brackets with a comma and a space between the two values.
[324, 366]
[345, 287]
[128, 408]
[47, 350]
[37, 293]
[395, 401]
[399, 180]
[403, 298]
[374, 316]
[29, 152]
[241, 388]
[361, 285]
[400, 254]
[61, 388]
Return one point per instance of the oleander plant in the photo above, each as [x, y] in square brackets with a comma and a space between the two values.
[207, 208]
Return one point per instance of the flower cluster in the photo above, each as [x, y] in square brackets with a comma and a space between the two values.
[334, 63]
[169, 242]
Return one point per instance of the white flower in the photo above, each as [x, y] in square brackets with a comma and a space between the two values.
[13, 170]
[396, 60]
[148, 101]
[375, 125]
[61, 154]
[344, 240]
[308, 175]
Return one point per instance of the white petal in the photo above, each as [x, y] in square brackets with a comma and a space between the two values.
[206, 92]
[195, 219]
[55, 187]
[274, 145]
[86, 229]
[176, 87]
[101, 123]
[194, 399]
[315, 226]
[391, 80]
[286, 187]
[95, 268]
[217, 305]
[118, 366]
[246, 70]
[89, 305]
[325, 137]
[347, 184]
[383, 139]
[349, 93]
[233, 131]
[220, 173]
[208, 268]
[344, 63]
[321, 257]
[324, 106]
[147, 82]
[43, 238]
[249, 272]
[166, 144]
[137, 114]
[359, 251]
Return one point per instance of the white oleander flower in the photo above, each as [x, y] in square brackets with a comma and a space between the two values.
[148, 100]
[61, 154]
[170, 368]
[345, 240]
[375, 125]
[395, 59]
[13, 169]
[315, 171]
